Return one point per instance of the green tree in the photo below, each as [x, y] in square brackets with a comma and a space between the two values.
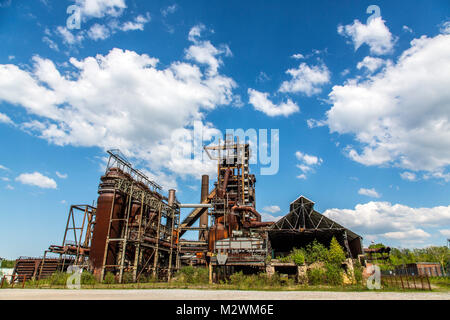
[336, 254]
[315, 252]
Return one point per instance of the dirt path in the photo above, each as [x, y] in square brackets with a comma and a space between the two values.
[181, 294]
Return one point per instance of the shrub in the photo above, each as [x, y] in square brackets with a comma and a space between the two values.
[87, 278]
[127, 277]
[298, 257]
[336, 254]
[358, 272]
[109, 278]
[316, 276]
[315, 252]
[193, 275]
[333, 274]
[59, 278]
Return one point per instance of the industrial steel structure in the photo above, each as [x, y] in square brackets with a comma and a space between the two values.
[134, 230]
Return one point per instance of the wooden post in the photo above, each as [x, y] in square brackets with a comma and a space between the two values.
[210, 273]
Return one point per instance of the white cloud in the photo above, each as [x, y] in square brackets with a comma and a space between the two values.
[307, 163]
[395, 222]
[445, 27]
[9, 187]
[261, 102]
[5, 119]
[137, 24]
[61, 175]
[37, 179]
[306, 79]
[169, 10]
[98, 32]
[400, 115]
[407, 235]
[267, 213]
[369, 192]
[120, 100]
[101, 8]
[5, 179]
[68, 37]
[439, 174]
[371, 63]
[375, 34]
[11, 57]
[445, 232]
[272, 209]
[410, 176]
[3, 168]
[50, 43]
[308, 159]
[313, 123]
[407, 29]
[298, 56]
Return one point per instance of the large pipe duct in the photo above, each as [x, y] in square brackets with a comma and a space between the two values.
[195, 205]
[223, 190]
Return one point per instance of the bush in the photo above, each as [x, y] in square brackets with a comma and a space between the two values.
[315, 252]
[109, 278]
[298, 257]
[59, 278]
[193, 275]
[336, 254]
[358, 272]
[127, 277]
[333, 274]
[257, 281]
[88, 278]
[316, 276]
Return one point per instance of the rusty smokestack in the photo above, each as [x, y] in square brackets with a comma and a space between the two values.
[171, 199]
[203, 196]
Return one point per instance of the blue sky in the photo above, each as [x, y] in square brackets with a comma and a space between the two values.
[361, 102]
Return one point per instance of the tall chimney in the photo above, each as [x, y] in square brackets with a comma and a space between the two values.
[204, 217]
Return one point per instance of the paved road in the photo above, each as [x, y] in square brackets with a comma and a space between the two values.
[181, 294]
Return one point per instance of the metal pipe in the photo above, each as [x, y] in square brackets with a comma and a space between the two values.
[202, 234]
[195, 205]
[171, 199]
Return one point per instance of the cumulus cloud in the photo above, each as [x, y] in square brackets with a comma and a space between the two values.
[272, 209]
[68, 37]
[101, 8]
[371, 63]
[260, 101]
[98, 32]
[137, 24]
[5, 119]
[410, 176]
[369, 192]
[400, 116]
[307, 163]
[445, 232]
[37, 179]
[391, 222]
[306, 79]
[120, 100]
[375, 34]
[3, 168]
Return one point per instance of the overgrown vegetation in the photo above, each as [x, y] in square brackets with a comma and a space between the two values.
[400, 257]
[192, 275]
[7, 264]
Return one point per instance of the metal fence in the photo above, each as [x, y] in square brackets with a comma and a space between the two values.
[410, 282]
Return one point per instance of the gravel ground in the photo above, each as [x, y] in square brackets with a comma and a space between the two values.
[182, 294]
